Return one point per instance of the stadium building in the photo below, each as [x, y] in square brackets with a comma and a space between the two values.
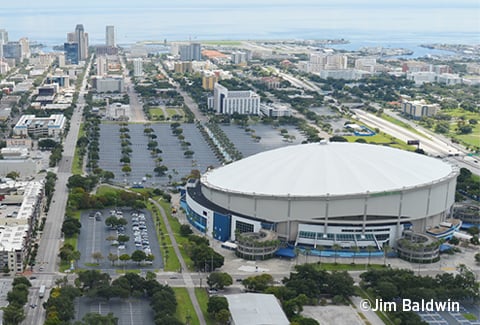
[349, 194]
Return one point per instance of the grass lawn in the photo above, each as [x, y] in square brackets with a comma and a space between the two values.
[382, 139]
[349, 267]
[181, 241]
[384, 317]
[184, 307]
[171, 262]
[77, 163]
[156, 111]
[177, 111]
[470, 317]
[202, 297]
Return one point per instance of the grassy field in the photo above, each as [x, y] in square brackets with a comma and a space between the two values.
[362, 293]
[171, 262]
[382, 139]
[156, 112]
[202, 297]
[349, 267]
[181, 241]
[185, 309]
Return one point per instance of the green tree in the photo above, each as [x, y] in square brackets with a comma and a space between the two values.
[112, 258]
[336, 248]
[97, 256]
[216, 303]
[13, 314]
[13, 175]
[219, 280]
[70, 227]
[97, 319]
[138, 256]
[258, 283]
[185, 230]
[222, 316]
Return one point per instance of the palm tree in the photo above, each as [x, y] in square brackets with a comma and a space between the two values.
[386, 249]
[320, 248]
[336, 247]
[307, 252]
[297, 251]
[355, 250]
[370, 249]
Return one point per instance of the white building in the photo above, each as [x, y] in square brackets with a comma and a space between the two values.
[106, 84]
[348, 74]
[256, 309]
[422, 77]
[237, 101]
[366, 64]
[239, 57]
[21, 208]
[449, 79]
[39, 127]
[102, 66]
[275, 110]
[137, 67]
[419, 108]
[110, 36]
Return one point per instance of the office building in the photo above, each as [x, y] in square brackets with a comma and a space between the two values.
[225, 101]
[81, 38]
[183, 67]
[40, 127]
[107, 84]
[13, 50]
[71, 53]
[110, 36]
[137, 67]
[419, 108]
[3, 40]
[102, 66]
[366, 64]
[24, 48]
[190, 52]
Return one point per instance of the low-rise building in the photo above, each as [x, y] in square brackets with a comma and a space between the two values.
[419, 108]
[38, 127]
[275, 110]
[256, 309]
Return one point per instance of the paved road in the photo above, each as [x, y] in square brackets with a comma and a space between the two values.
[136, 108]
[47, 257]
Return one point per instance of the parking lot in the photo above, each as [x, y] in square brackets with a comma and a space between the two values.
[142, 163]
[129, 311]
[270, 137]
[140, 228]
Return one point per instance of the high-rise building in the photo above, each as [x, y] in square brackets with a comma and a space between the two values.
[191, 52]
[110, 36]
[3, 40]
[25, 48]
[137, 67]
[81, 38]
[12, 50]
[239, 57]
[102, 67]
[71, 52]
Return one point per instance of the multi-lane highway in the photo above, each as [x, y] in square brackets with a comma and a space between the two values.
[45, 270]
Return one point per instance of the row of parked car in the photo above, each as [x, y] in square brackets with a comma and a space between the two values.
[140, 232]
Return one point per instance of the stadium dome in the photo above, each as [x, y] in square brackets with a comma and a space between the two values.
[319, 169]
[320, 194]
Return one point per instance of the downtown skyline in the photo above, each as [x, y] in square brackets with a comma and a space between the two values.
[375, 21]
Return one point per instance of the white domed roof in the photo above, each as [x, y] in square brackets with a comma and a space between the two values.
[334, 168]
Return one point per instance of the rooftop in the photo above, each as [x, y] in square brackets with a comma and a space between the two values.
[328, 169]
[256, 309]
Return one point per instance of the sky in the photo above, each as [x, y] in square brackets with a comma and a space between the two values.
[250, 19]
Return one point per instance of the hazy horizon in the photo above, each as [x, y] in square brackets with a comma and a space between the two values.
[396, 21]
